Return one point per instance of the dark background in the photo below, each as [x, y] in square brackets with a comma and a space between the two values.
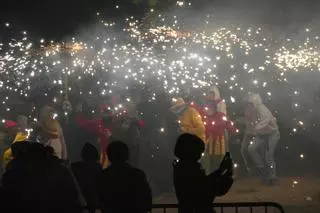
[55, 19]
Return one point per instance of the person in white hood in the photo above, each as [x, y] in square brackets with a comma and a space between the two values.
[214, 95]
[261, 123]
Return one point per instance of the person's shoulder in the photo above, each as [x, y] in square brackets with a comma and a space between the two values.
[105, 173]
[57, 165]
[98, 166]
[76, 164]
[137, 172]
[58, 170]
[80, 166]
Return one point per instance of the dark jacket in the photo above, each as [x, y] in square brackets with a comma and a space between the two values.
[195, 190]
[86, 174]
[124, 189]
[130, 133]
[39, 187]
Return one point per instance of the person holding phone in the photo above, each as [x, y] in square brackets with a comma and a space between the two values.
[196, 190]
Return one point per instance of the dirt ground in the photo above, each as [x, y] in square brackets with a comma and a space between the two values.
[295, 194]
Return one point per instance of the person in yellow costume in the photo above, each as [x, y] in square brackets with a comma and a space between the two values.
[189, 119]
[7, 155]
[19, 130]
[50, 131]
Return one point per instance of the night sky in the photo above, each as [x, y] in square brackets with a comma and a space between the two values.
[58, 18]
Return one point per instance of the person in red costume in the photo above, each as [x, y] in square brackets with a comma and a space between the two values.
[216, 124]
[100, 126]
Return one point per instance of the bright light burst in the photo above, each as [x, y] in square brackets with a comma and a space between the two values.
[299, 56]
[178, 60]
[171, 56]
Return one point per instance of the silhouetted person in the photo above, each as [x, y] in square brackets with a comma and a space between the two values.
[195, 190]
[86, 173]
[36, 181]
[122, 188]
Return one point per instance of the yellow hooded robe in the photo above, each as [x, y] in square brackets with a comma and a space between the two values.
[190, 121]
[7, 155]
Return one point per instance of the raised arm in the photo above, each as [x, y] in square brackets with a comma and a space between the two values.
[221, 180]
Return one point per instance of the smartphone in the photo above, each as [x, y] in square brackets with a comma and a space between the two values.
[228, 155]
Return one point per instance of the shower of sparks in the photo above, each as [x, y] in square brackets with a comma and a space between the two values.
[298, 55]
[170, 56]
[177, 60]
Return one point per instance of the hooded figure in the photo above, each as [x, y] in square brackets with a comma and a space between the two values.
[259, 118]
[189, 119]
[261, 123]
[18, 131]
[8, 154]
[214, 95]
[217, 125]
[51, 132]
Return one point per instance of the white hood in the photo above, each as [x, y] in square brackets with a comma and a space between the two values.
[255, 99]
[216, 91]
[265, 122]
[221, 106]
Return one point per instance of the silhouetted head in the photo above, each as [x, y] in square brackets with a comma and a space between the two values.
[89, 153]
[18, 148]
[189, 147]
[29, 151]
[37, 151]
[118, 152]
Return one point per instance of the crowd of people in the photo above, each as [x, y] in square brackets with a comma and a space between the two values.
[36, 180]
[37, 172]
[210, 123]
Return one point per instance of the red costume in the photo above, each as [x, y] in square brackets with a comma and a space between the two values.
[217, 124]
[202, 110]
[97, 127]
